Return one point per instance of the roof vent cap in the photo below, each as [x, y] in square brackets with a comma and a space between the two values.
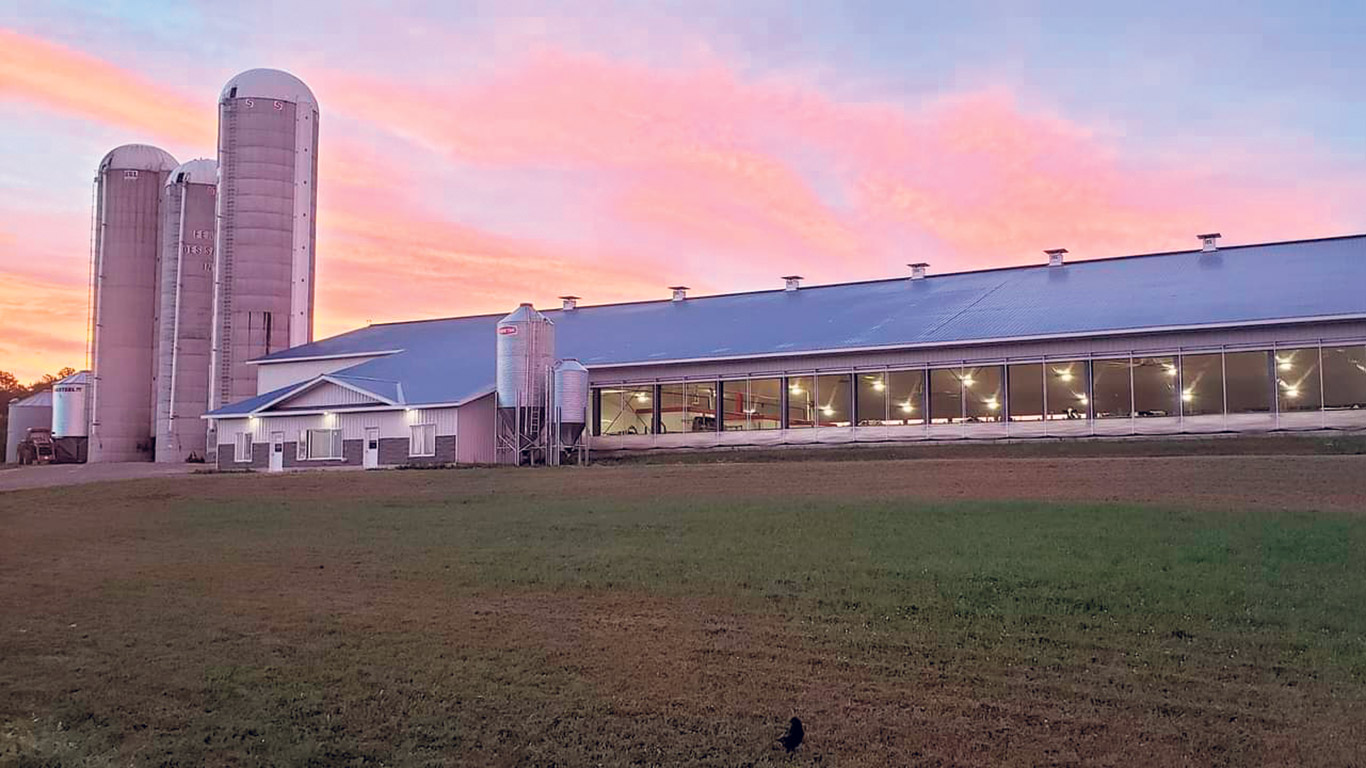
[1209, 242]
[793, 282]
[569, 303]
[918, 269]
[1055, 256]
[680, 292]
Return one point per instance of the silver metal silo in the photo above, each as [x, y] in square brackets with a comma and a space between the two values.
[267, 205]
[70, 413]
[184, 322]
[127, 242]
[525, 353]
[71, 418]
[570, 411]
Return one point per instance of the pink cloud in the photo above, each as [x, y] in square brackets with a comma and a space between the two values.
[702, 157]
[74, 83]
[693, 174]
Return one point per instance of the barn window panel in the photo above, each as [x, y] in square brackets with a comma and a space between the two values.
[701, 406]
[734, 404]
[871, 402]
[1111, 394]
[766, 403]
[801, 402]
[946, 396]
[242, 448]
[1024, 396]
[1344, 377]
[422, 440]
[323, 444]
[627, 411]
[688, 407]
[906, 397]
[984, 393]
[1202, 385]
[673, 408]
[1248, 382]
[1156, 387]
[1298, 384]
[835, 398]
[1066, 395]
[753, 404]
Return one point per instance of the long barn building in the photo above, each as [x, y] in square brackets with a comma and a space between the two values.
[1249, 338]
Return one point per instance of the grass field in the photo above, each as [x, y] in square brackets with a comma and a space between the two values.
[1114, 611]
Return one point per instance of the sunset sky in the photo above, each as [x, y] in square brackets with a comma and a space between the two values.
[475, 155]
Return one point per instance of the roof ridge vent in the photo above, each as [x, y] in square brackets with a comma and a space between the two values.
[1055, 256]
[1209, 242]
[569, 303]
[918, 269]
[792, 282]
[680, 292]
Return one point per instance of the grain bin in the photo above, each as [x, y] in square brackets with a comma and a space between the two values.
[525, 353]
[184, 322]
[127, 235]
[71, 419]
[70, 416]
[571, 400]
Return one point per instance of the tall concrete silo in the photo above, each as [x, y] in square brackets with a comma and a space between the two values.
[127, 241]
[185, 319]
[267, 201]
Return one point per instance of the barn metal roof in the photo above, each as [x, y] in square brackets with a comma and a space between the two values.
[452, 360]
[36, 400]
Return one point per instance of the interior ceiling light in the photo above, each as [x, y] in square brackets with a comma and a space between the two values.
[968, 381]
[992, 403]
[1065, 375]
[1292, 392]
[828, 411]
[1187, 395]
[907, 407]
[642, 397]
[878, 386]
[1284, 364]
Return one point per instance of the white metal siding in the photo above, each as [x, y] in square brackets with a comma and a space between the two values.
[273, 376]
[475, 444]
[329, 394]
[395, 423]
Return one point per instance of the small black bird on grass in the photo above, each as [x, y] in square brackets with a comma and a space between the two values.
[795, 733]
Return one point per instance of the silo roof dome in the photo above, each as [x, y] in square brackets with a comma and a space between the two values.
[138, 157]
[268, 84]
[79, 377]
[199, 171]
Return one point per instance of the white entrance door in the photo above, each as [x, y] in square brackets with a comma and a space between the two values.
[371, 447]
[277, 451]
